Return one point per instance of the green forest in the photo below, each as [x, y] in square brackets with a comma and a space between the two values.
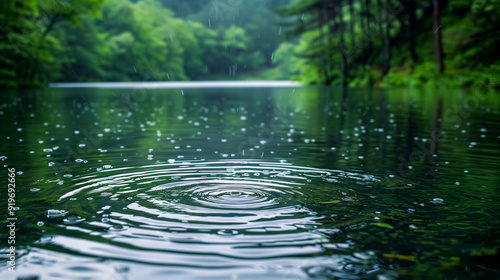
[351, 42]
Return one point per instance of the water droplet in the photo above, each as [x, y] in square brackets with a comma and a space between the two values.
[73, 220]
[437, 201]
[56, 213]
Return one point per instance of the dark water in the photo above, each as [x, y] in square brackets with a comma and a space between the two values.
[260, 183]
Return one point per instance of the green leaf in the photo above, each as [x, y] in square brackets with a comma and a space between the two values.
[384, 225]
[331, 201]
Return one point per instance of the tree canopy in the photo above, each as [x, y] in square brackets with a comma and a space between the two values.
[394, 42]
[354, 42]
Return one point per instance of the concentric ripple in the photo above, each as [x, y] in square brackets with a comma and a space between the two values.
[223, 214]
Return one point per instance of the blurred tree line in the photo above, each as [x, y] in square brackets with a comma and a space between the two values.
[134, 40]
[354, 42]
[392, 42]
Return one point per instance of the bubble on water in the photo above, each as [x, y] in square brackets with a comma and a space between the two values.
[437, 201]
[171, 160]
[73, 220]
[118, 228]
[34, 189]
[52, 213]
[77, 132]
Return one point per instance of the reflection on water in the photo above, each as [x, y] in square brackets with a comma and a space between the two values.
[180, 85]
[239, 183]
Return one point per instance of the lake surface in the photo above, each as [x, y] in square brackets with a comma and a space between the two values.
[252, 183]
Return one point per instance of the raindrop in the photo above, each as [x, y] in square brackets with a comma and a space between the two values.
[437, 201]
[73, 220]
[56, 213]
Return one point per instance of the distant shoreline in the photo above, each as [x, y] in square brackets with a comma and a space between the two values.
[180, 85]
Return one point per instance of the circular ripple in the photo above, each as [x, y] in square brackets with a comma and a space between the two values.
[234, 210]
[229, 194]
[225, 196]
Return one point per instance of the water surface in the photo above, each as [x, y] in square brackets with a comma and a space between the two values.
[240, 183]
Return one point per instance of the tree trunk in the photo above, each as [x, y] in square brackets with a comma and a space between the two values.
[412, 24]
[323, 58]
[327, 37]
[342, 45]
[387, 40]
[438, 46]
[351, 15]
[369, 48]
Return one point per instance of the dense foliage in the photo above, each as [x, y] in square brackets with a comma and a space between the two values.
[121, 40]
[394, 42]
[355, 42]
